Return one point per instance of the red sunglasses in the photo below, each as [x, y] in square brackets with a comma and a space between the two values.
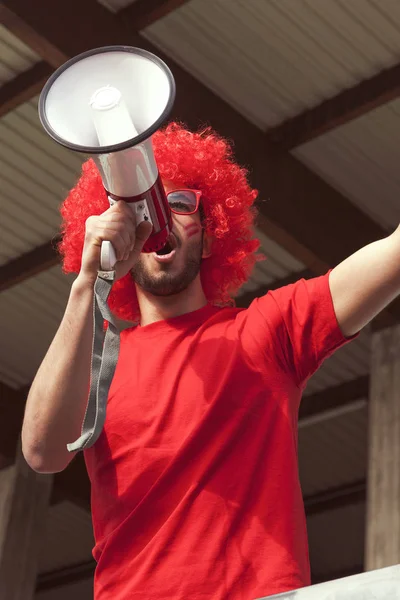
[184, 202]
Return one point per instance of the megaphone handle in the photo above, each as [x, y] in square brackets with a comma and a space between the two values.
[108, 257]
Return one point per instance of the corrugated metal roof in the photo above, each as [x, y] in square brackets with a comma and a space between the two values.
[35, 176]
[347, 363]
[333, 448]
[15, 57]
[271, 60]
[277, 264]
[31, 313]
[361, 159]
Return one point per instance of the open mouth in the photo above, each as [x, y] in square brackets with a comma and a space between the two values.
[169, 247]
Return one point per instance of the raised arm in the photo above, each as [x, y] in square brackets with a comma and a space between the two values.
[57, 399]
[365, 283]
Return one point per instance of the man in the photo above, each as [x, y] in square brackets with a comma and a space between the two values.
[195, 490]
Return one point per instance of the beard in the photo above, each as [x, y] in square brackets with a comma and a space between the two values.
[168, 282]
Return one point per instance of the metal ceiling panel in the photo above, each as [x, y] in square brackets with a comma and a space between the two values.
[35, 176]
[349, 362]
[361, 160]
[272, 60]
[15, 57]
[31, 313]
[333, 448]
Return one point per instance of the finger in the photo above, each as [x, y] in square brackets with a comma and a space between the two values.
[123, 223]
[143, 232]
[119, 244]
[122, 208]
[117, 218]
[106, 230]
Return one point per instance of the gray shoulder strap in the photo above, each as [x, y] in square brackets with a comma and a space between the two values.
[105, 352]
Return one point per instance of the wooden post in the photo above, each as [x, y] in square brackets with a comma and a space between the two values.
[383, 490]
[24, 498]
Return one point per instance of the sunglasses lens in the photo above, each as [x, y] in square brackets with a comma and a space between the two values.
[182, 201]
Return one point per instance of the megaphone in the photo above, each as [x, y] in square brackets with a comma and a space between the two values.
[107, 103]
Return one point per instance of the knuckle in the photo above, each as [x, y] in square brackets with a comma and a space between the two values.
[89, 222]
[115, 207]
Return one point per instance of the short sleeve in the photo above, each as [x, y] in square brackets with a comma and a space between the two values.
[302, 323]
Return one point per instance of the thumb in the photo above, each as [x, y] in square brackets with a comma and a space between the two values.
[143, 232]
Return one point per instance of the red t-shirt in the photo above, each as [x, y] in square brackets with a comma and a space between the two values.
[195, 487]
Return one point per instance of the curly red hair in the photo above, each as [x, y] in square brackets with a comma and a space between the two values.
[200, 161]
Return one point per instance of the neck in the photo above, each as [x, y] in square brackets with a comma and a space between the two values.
[158, 308]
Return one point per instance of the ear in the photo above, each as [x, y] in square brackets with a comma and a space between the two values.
[207, 245]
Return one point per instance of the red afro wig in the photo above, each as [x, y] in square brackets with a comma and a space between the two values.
[200, 161]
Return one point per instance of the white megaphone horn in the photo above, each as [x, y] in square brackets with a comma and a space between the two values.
[107, 103]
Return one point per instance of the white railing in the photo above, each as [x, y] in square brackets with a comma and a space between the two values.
[383, 584]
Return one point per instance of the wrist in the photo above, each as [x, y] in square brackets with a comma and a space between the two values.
[84, 283]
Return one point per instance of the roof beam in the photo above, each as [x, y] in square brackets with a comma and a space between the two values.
[29, 264]
[49, 34]
[28, 84]
[298, 201]
[334, 397]
[23, 87]
[65, 576]
[332, 499]
[339, 110]
[26, 33]
[143, 13]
